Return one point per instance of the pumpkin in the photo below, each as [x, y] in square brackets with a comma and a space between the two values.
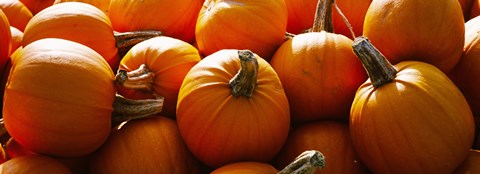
[6, 41]
[408, 118]
[149, 145]
[17, 13]
[319, 72]
[58, 98]
[471, 164]
[100, 4]
[14, 150]
[332, 138]
[34, 164]
[416, 30]
[168, 59]
[235, 25]
[250, 167]
[302, 13]
[232, 107]
[17, 37]
[36, 6]
[174, 18]
[78, 22]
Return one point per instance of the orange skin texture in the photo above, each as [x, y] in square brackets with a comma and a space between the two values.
[6, 41]
[246, 167]
[471, 164]
[332, 138]
[219, 128]
[36, 6]
[170, 59]
[173, 18]
[474, 9]
[100, 4]
[58, 99]
[34, 164]
[17, 37]
[150, 145]
[416, 30]
[17, 13]
[78, 22]
[320, 74]
[241, 24]
[418, 123]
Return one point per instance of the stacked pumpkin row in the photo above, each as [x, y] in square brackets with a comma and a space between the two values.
[225, 85]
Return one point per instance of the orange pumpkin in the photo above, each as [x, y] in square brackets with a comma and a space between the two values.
[408, 118]
[416, 30]
[320, 74]
[236, 25]
[78, 22]
[14, 150]
[174, 18]
[150, 145]
[466, 7]
[331, 138]
[36, 6]
[17, 13]
[224, 117]
[169, 59]
[474, 9]
[58, 98]
[100, 4]
[5, 41]
[33, 164]
[471, 164]
[250, 167]
[17, 37]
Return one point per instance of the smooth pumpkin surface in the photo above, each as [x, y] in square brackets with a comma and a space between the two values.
[219, 128]
[58, 98]
[150, 145]
[36, 6]
[471, 164]
[78, 22]
[17, 13]
[234, 24]
[416, 30]
[170, 59]
[34, 164]
[418, 123]
[174, 18]
[17, 37]
[103, 5]
[246, 167]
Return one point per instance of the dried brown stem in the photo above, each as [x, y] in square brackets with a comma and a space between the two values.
[323, 17]
[244, 82]
[139, 79]
[126, 40]
[306, 163]
[127, 109]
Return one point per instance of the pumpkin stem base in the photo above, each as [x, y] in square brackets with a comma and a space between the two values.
[244, 82]
[139, 79]
[306, 163]
[126, 40]
[127, 109]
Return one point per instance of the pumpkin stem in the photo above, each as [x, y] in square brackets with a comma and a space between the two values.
[139, 79]
[345, 20]
[379, 69]
[244, 82]
[127, 109]
[126, 40]
[323, 17]
[306, 163]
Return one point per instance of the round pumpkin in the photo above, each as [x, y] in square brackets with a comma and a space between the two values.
[224, 117]
[169, 59]
[416, 30]
[100, 4]
[408, 118]
[36, 6]
[78, 22]
[5, 41]
[149, 145]
[58, 98]
[33, 164]
[257, 25]
[174, 18]
[250, 167]
[17, 13]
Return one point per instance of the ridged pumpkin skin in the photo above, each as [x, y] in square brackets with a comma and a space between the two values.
[17, 37]
[5, 41]
[418, 123]
[170, 59]
[103, 5]
[17, 13]
[257, 25]
[249, 167]
[174, 18]
[150, 145]
[78, 22]
[320, 75]
[36, 6]
[219, 128]
[416, 30]
[58, 99]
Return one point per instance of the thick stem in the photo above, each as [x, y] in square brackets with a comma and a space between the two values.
[139, 79]
[127, 109]
[306, 163]
[323, 17]
[126, 40]
[244, 82]
[379, 69]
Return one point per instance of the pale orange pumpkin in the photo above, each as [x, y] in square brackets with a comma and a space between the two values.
[17, 13]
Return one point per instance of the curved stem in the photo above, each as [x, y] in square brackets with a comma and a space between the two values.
[126, 40]
[345, 20]
[244, 82]
[379, 69]
[127, 109]
[306, 163]
[323, 17]
[139, 79]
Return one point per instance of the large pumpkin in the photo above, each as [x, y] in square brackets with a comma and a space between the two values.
[224, 117]
[257, 25]
[17, 13]
[408, 118]
[416, 30]
[78, 22]
[58, 98]
[169, 59]
[174, 18]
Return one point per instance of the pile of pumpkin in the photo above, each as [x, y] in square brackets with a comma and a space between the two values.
[156, 86]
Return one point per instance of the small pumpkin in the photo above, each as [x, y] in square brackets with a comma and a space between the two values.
[408, 118]
[36, 6]
[17, 13]
[34, 164]
[235, 25]
[232, 107]
[250, 167]
[416, 30]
